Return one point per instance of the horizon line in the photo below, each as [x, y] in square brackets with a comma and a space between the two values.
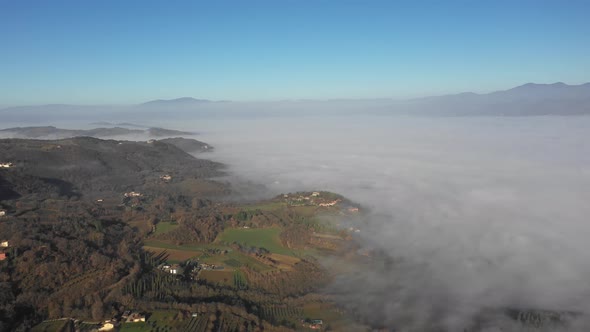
[206, 100]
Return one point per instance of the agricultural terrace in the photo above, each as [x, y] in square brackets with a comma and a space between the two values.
[279, 214]
[267, 238]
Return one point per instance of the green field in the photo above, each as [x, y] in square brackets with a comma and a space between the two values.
[51, 326]
[165, 227]
[133, 327]
[159, 320]
[218, 277]
[236, 258]
[306, 211]
[267, 206]
[232, 259]
[267, 238]
[166, 245]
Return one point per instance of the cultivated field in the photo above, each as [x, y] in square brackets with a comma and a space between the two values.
[267, 238]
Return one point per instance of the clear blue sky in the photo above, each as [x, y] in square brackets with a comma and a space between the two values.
[131, 51]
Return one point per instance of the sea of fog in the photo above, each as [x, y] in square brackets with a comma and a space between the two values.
[481, 212]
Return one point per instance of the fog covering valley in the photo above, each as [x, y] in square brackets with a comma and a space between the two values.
[477, 214]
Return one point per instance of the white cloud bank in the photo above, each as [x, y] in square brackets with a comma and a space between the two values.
[481, 212]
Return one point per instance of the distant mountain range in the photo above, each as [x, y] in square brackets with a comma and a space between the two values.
[184, 101]
[120, 124]
[58, 133]
[526, 100]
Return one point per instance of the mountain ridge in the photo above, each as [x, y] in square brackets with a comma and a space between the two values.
[529, 99]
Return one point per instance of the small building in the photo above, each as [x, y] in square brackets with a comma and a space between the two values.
[166, 177]
[316, 324]
[99, 200]
[353, 209]
[135, 317]
[133, 194]
[315, 194]
[194, 314]
[2, 213]
[4, 244]
[3, 256]
[5, 165]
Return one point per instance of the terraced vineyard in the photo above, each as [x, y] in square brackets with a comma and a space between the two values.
[230, 323]
[277, 313]
[197, 324]
[240, 281]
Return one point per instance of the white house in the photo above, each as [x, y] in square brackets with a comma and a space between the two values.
[2, 213]
[4, 244]
[5, 165]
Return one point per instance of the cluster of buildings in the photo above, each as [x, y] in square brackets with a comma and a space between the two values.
[330, 203]
[133, 194]
[133, 317]
[172, 269]
[353, 229]
[192, 269]
[311, 199]
[209, 267]
[317, 199]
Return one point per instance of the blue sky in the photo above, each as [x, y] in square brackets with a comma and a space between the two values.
[97, 52]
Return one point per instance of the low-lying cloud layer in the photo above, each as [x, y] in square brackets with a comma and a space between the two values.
[477, 213]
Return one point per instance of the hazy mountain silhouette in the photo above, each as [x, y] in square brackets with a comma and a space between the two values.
[524, 100]
[529, 99]
[184, 101]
